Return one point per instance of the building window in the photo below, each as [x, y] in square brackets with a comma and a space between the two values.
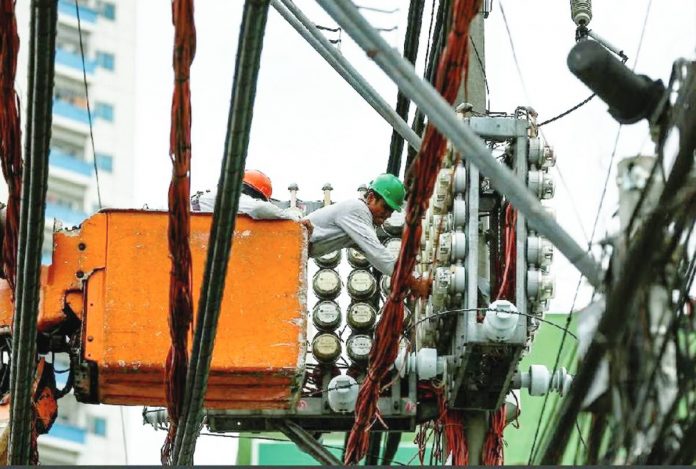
[104, 111]
[97, 426]
[108, 10]
[105, 60]
[105, 162]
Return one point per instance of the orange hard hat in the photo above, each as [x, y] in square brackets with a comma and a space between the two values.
[259, 181]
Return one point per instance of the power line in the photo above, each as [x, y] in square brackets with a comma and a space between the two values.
[89, 110]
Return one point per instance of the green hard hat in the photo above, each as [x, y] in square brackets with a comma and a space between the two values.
[391, 189]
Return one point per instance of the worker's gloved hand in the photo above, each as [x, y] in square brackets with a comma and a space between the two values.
[307, 224]
[421, 286]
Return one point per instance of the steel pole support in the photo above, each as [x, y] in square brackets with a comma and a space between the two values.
[473, 149]
[307, 443]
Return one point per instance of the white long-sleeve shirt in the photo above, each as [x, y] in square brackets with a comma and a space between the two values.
[348, 224]
[255, 208]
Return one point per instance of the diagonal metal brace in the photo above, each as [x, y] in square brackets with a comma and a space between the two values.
[306, 442]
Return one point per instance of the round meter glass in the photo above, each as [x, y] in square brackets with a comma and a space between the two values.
[361, 284]
[329, 260]
[358, 347]
[326, 284]
[326, 348]
[393, 245]
[356, 258]
[326, 316]
[361, 316]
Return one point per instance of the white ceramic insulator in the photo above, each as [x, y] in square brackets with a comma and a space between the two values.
[343, 393]
[540, 285]
[500, 321]
[459, 212]
[541, 184]
[540, 154]
[539, 251]
[458, 246]
[459, 186]
[458, 282]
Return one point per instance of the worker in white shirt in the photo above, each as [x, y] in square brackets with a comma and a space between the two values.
[351, 223]
[253, 201]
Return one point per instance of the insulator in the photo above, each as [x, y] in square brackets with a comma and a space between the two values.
[442, 195]
[500, 321]
[459, 186]
[459, 212]
[329, 260]
[326, 316]
[326, 348]
[356, 258]
[326, 284]
[361, 284]
[541, 154]
[361, 316]
[539, 252]
[358, 347]
[448, 281]
[342, 394]
[540, 285]
[581, 12]
[541, 184]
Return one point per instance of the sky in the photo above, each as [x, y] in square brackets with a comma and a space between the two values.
[310, 127]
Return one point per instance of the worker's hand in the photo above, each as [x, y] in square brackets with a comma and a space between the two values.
[307, 224]
[420, 286]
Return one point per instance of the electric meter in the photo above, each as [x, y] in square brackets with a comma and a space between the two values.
[394, 225]
[540, 154]
[329, 260]
[361, 316]
[385, 284]
[393, 245]
[326, 348]
[356, 258]
[361, 284]
[539, 252]
[541, 184]
[444, 249]
[448, 281]
[459, 186]
[540, 285]
[326, 316]
[326, 284]
[358, 347]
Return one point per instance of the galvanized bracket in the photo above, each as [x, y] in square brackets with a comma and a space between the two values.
[306, 442]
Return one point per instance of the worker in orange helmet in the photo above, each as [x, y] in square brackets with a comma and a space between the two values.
[253, 201]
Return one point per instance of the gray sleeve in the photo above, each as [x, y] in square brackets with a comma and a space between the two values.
[359, 228]
[260, 210]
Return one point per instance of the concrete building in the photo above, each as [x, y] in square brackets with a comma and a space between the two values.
[86, 434]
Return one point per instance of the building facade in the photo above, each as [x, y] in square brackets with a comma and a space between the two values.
[104, 32]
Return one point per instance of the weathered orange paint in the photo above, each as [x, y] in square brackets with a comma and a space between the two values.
[113, 273]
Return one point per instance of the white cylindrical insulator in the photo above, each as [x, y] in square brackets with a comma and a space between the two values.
[459, 186]
[326, 348]
[356, 258]
[393, 245]
[361, 316]
[561, 381]
[326, 284]
[541, 184]
[581, 12]
[540, 154]
[458, 246]
[537, 380]
[342, 394]
[361, 284]
[442, 195]
[385, 284]
[539, 252]
[500, 321]
[358, 347]
[458, 283]
[425, 363]
[444, 249]
[459, 212]
[326, 316]
[329, 260]
[540, 285]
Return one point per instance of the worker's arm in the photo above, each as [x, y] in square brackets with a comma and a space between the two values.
[358, 226]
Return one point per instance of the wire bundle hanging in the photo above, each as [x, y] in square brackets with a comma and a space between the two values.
[421, 181]
[179, 232]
